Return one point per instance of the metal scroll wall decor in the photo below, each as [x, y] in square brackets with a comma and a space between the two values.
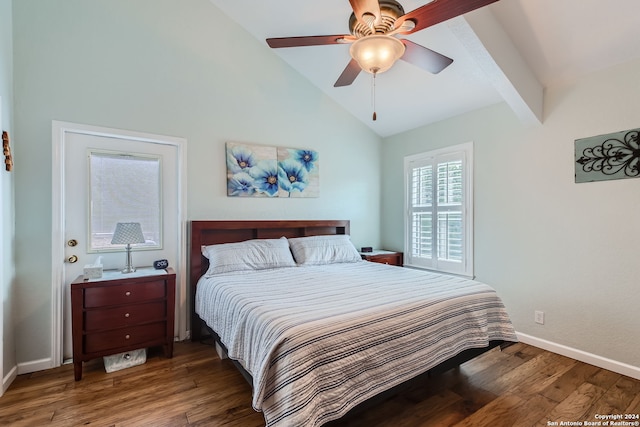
[612, 156]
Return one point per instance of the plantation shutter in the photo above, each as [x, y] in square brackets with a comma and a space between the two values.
[438, 211]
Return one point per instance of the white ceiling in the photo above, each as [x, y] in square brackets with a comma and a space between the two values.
[507, 51]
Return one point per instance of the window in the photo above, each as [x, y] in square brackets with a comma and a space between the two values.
[439, 221]
[124, 188]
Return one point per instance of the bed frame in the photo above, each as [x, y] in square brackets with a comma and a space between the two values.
[216, 232]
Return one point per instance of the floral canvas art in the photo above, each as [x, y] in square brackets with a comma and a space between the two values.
[298, 173]
[252, 170]
[262, 171]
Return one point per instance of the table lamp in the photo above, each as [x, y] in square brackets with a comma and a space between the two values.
[128, 233]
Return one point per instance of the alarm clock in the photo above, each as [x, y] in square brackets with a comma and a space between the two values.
[160, 264]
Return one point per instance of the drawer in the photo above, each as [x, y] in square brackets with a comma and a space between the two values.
[125, 337]
[392, 259]
[100, 296]
[118, 317]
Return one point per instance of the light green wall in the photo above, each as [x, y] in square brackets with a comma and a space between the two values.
[178, 68]
[7, 256]
[544, 242]
[181, 68]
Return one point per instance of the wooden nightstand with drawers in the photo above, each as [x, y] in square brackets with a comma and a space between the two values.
[384, 257]
[122, 312]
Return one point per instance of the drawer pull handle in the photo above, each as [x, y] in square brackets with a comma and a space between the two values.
[126, 315]
[127, 293]
[126, 337]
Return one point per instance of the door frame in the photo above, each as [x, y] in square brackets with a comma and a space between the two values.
[60, 130]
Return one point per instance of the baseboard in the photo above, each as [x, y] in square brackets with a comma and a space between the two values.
[34, 366]
[582, 356]
[8, 379]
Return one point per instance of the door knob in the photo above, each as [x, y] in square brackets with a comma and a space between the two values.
[72, 259]
[72, 242]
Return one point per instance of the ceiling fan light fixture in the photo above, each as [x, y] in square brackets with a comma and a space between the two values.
[377, 53]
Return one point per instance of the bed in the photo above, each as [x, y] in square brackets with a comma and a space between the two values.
[316, 330]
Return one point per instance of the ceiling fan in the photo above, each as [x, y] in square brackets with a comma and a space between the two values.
[374, 25]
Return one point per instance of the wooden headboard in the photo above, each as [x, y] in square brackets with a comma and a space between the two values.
[202, 233]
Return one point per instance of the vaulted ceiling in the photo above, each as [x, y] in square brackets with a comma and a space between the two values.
[508, 52]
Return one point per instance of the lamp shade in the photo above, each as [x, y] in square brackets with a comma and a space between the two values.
[127, 233]
[377, 53]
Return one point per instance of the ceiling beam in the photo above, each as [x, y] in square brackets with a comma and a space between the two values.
[496, 55]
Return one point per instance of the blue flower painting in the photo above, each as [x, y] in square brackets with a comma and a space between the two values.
[261, 171]
[298, 172]
[252, 170]
[292, 176]
[240, 184]
[308, 158]
[265, 177]
[240, 158]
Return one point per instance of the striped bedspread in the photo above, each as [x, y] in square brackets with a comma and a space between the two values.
[318, 340]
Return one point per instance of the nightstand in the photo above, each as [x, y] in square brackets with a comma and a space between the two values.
[384, 257]
[122, 312]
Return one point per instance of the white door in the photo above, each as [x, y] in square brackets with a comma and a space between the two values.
[110, 177]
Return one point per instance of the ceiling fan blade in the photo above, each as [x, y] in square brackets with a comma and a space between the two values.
[308, 41]
[364, 9]
[349, 74]
[439, 11]
[424, 58]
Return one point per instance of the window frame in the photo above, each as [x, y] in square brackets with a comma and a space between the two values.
[463, 152]
[90, 205]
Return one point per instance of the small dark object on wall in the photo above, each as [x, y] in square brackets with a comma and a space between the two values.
[160, 264]
[6, 150]
[366, 249]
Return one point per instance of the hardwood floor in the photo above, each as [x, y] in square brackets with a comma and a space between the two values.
[519, 386]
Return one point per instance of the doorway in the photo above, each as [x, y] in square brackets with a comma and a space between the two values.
[102, 176]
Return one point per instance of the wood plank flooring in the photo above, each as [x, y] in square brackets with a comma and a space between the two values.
[519, 386]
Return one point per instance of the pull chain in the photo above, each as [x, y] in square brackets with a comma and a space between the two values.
[373, 95]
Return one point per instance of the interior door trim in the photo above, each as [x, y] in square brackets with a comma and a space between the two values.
[59, 132]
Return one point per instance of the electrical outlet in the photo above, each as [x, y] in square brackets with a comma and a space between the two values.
[538, 317]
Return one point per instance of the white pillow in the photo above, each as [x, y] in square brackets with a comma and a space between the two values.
[317, 250]
[248, 255]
